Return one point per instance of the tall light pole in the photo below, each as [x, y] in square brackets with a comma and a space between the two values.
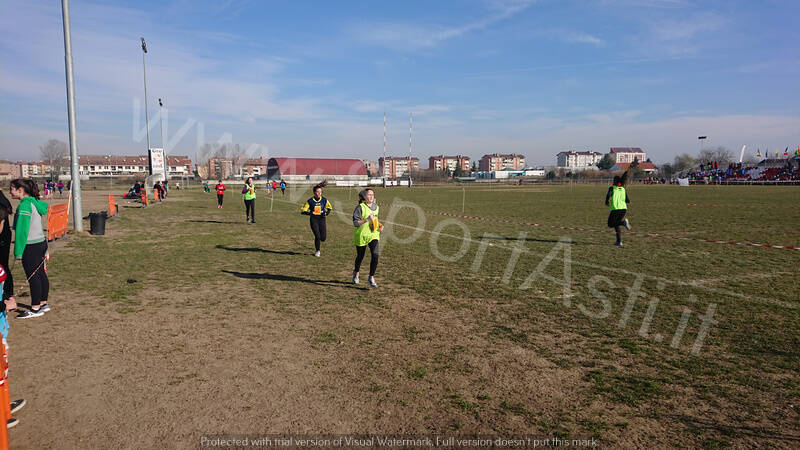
[410, 122]
[146, 115]
[75, 173]
[161, 124]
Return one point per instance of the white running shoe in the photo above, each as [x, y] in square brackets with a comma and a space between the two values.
[355, 277]
[372, 282]
[316, 253]
[627, 224]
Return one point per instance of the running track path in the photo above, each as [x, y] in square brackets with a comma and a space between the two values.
[678, 238]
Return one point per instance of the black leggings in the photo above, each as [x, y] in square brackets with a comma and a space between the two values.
[33, 263]
[219, 199]
[250, 209]
[374, 250]
[318, 228]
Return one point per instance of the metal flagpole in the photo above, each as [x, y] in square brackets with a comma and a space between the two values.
[75, 174]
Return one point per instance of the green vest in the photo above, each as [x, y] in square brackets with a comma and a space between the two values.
[251, 192]
[618, 198]
[364, 234]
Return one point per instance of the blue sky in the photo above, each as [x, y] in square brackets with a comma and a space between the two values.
[289, 78]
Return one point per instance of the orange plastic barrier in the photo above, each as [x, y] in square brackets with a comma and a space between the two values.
[112, 207]
[57, 218]
[144, 197]
[155, 195]
[5, 411]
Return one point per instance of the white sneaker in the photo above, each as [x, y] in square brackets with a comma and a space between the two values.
[316, 253]
[627, 224]
[372, 282]
[355, 278]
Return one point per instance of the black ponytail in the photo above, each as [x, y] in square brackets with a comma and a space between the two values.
[29, 186]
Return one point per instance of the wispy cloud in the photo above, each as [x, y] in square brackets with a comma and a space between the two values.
[405, 36]
[682, 36]
[578, 37]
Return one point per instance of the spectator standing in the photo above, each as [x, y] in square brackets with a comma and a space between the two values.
[30, 245]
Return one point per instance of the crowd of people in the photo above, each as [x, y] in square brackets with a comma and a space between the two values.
[711, 173]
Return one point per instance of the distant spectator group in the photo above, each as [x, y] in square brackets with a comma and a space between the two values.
[710, 173]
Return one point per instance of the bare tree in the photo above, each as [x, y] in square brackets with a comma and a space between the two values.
[683, 163]
[749, 160]
[54, 154]
[720, 154]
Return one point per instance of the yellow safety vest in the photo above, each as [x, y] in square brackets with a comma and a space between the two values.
[251, 192]
[618, 198]
[368, 231]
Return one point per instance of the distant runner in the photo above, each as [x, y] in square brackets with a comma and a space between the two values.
[220, 192]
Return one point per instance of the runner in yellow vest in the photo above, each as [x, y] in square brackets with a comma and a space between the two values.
[617, 199]
[249, 192]
[366, 234]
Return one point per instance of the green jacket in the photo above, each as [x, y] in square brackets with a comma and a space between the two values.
[28, 227]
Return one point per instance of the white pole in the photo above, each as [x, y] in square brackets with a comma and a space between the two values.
[271, 198]
[463, 199]
[75, 173]
[741, 155]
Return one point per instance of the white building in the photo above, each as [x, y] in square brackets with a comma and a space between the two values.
[113, 166]
[575, 161]
[627, 154]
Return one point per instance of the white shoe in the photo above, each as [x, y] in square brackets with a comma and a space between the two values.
[316, 253]
[627, 224]
[372, 282]
[355, 278]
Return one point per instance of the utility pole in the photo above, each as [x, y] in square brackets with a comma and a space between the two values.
[75, 173]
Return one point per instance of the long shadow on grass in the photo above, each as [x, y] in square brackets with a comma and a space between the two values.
[211, 221]
[279, 277]
[528, 239]
[259, 250]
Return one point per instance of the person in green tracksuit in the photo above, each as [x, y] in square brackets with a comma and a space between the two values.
[366, 234]
[30, 244]
[249, 192]
[617, 199]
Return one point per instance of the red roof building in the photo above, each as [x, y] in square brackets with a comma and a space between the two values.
[313, 169]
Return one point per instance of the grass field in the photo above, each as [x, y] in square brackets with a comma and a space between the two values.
[184, 321]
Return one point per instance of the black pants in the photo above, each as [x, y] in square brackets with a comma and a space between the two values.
[318, 228]
[219, 199]
[5, 248]
[615, 219]
[374, 252]
[283, 191]
[250, 209]
[33, 263]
